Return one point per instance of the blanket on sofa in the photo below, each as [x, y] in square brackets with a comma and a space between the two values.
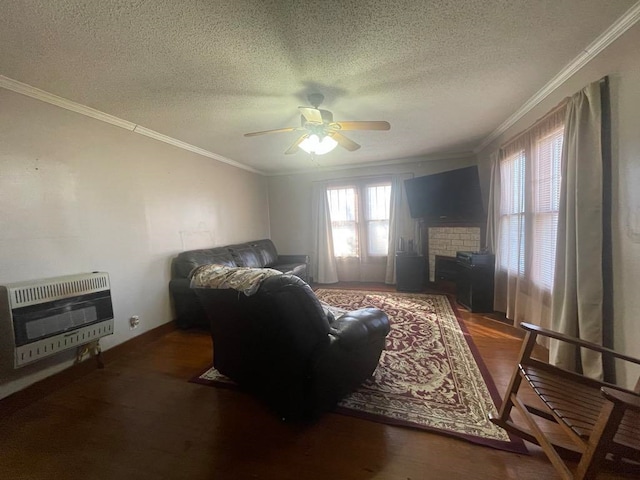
[244, 279]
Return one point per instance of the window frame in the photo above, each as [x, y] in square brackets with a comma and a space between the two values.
[530, 219]
[361, 213]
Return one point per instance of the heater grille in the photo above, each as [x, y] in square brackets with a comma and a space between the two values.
[56, 314]
[41, 291]
[34, 351]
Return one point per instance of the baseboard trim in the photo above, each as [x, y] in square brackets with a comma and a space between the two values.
[46, 386]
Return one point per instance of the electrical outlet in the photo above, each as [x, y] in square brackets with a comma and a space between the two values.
[134, 321]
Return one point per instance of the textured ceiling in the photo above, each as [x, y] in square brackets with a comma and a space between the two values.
[445, 74]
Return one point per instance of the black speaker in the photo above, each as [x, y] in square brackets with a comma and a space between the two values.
[474, 284]
[409, 273]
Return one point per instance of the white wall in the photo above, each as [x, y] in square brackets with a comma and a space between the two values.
[290, 197]
[621, 61]
[79, 195]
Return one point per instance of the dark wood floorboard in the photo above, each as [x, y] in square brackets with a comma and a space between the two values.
[140, 418]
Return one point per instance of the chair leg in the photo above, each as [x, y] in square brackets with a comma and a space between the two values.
[600, 438]
[546, 445]
[516, 379]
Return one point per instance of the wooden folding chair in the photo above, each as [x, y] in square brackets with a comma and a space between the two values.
[598, 417]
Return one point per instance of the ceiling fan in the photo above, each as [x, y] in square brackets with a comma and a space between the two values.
[321, 133]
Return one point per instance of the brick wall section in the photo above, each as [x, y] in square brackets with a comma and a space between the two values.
[449, 240]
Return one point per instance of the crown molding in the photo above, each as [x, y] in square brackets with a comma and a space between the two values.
[620, 26]
[33, 92]
[192, 148]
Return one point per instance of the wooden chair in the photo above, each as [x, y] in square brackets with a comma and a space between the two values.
[598, 417]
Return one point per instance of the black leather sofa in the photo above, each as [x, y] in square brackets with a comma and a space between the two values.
[255, 254]
[280, 344]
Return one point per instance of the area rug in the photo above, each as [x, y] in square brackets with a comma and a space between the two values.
[429, 376]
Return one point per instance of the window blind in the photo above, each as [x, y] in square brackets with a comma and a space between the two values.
[344, 221]
[377, 205]
[534, 206]
[546, 203]
[512, 214]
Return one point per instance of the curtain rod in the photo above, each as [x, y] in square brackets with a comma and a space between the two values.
[555, 109]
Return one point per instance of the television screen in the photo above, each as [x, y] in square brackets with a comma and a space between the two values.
[452, 196]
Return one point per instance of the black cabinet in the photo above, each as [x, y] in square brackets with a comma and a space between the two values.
[474, 285]
[409, 273]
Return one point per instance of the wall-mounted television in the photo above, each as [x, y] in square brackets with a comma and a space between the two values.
[448, 197]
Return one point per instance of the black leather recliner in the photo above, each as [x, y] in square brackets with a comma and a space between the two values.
[280, 344]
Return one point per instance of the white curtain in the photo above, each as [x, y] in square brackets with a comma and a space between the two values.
[578, 290]
[401, 225]
[493, 210]
[323, 263]
[518, 233]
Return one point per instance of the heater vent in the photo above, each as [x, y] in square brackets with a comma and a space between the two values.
[55, 314]
[33, 293]
[32, 352]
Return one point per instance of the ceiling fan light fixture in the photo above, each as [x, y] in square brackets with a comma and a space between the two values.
[317, 146]
[321, 134]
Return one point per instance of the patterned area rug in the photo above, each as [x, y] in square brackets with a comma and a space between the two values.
[428, 376]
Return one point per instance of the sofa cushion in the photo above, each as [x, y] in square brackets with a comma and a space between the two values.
[244, 279]
[267, 251]
[245, 255]
[185, 262]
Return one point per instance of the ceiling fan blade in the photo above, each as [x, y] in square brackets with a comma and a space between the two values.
[312, 115]
[277, 130]
[373, 125]
[294, 148]
[345, 142]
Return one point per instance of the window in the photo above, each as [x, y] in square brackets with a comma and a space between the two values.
[377, 204]
[512, 216]
[546, 204]
[360, 219]
[529, 205]
[344, 221]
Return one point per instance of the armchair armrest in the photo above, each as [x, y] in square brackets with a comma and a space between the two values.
[360, 326]
[629, 400]
[536, 330]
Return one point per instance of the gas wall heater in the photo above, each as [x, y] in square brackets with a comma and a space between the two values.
[55, 314]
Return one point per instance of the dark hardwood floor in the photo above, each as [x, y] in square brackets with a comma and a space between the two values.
[140, 418]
